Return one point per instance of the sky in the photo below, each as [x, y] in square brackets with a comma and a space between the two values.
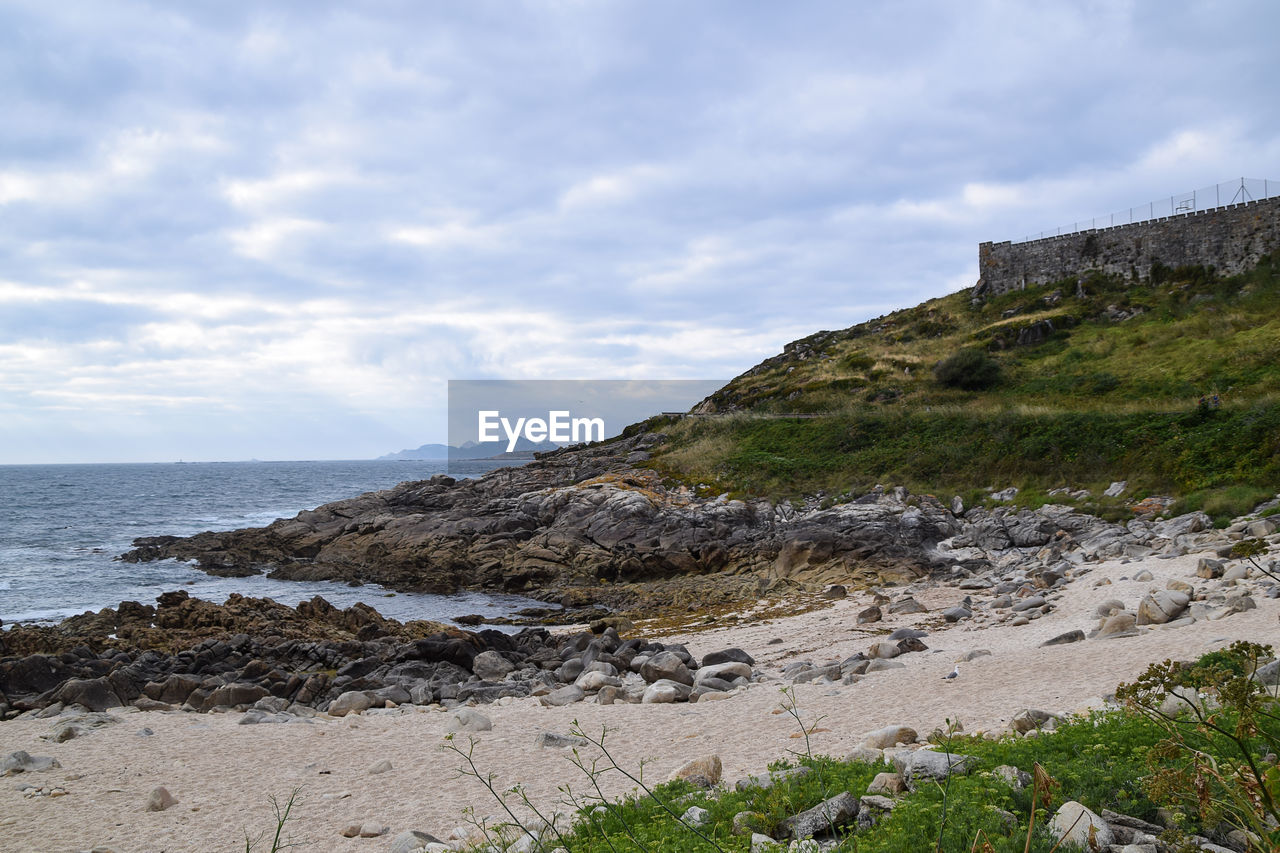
[241, 230]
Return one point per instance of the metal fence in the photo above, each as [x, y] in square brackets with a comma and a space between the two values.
[1205, 198]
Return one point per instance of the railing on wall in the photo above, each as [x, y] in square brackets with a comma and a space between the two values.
[1211, 197]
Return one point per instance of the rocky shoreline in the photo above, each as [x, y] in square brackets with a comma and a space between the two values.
[254, 654]
[587, 527]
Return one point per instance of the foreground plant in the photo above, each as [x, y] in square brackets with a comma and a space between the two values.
[283, 814]
[1222, 727]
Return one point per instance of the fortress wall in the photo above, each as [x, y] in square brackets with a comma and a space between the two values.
[1231, 239]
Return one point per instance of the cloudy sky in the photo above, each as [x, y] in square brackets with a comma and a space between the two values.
[273, 230]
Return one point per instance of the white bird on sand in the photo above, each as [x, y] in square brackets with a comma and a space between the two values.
[953, 674]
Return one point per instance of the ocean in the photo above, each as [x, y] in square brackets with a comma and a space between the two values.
[62, 525]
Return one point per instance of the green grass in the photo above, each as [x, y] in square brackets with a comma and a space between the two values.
[1229, 458]
[1097, 399]
[1100, 760]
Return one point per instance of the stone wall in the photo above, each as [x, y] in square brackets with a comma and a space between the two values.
[1230, 239]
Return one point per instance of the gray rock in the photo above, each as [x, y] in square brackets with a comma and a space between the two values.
[1116, 489]
[96, 694]
[1063, 639]
[1031, 719]
[871, 614]
[761, 843]
[1261, 528]
[695, 816]
[383, 766]
[907, 605]
[467, 720]
[491, 666]
[1028, 603]
[1161, 607]
[1122, 624]
[871, 808]
[351, 702]
[1268, 673]
[925, 764]
[23, 762]
[1077, 825]
[160, 799]
[956, 614]
[78, 725]
[768, 780]
[732, 655]
[726, 671]
[887, 783]
[884, 650]
[666, 666]
[664, 691]
[1109, 607]
[566, 695]
[1016, 779]
[824, 818]
[1209, 568]
[559, 741]
[882, 665]
[411, 840]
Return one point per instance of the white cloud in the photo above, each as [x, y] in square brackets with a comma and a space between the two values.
[239, 221]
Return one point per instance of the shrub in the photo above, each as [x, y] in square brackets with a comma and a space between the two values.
[970, 369]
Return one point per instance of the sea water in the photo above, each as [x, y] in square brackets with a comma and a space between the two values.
[61, 526]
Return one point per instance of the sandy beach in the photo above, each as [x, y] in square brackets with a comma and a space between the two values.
[223, 773]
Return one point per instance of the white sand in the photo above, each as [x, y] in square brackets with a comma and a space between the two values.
[223, 773]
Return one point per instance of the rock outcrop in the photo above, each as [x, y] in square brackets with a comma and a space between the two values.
[569, 523]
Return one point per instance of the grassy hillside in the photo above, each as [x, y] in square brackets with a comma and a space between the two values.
[1075, 383]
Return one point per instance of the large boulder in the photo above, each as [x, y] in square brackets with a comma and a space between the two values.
[95, 694]
[666, 666]
[1074, 824]
[351, 702]
[925, 764]
[824, 818]
[726, 671]
[491, 666]
[1163, 606]
[664, 691]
